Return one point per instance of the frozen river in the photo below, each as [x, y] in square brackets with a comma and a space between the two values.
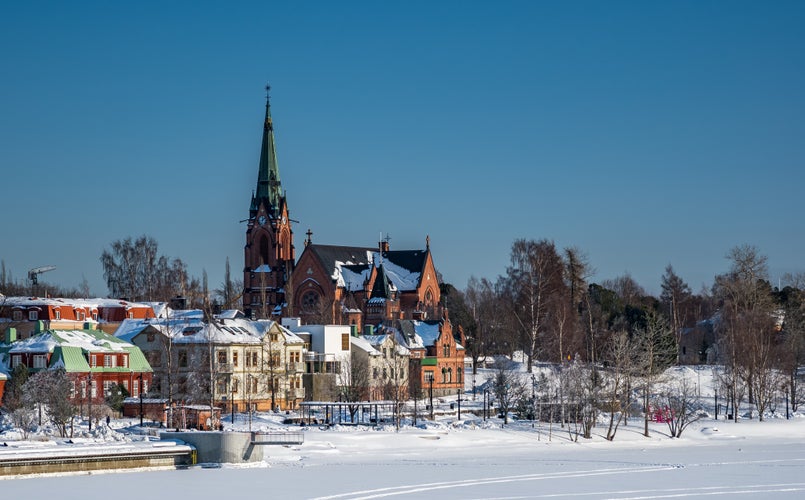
[750, 460]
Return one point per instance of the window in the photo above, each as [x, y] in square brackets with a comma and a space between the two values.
[16, 315]
[444, 375]
[154, 358]
[83, 388]
[16, 360]
[221, 357]
[126, 385]
[345, 342]
[125, 363]
[145, 387]
[93, 360]
[183, 359]
[428, 375]
[310, 302]
[95, 315]
[446, 350]
[107, 387]
[40, 360]
[107, 360]
[150, 336]
[33, 315]
[235, 384]
[449, 375]
[135, 389]
[235, 359]
[79, 315]
[56, 313]
[131, 315]
[221, 386]
[93, 391]
[374, 373]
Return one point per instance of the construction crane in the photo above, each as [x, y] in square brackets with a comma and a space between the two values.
[34, 273]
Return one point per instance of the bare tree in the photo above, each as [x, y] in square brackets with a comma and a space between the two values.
[675, 297]
[534, 289]
[134, 269]
[508, 387]
[620, 358]
[747, 327]
[583, 388]
[679, 407]
[656, 350]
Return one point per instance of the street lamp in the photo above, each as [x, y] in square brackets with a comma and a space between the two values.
[89, 405]
[431, 396]
[140, 390]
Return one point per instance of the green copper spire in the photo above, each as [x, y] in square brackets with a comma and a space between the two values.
[269, 189]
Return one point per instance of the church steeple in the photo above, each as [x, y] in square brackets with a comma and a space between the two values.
[269, 189]
[269, 254]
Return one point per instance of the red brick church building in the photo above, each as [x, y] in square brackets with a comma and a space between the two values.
[329, 284]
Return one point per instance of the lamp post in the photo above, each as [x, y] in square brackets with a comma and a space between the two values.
[89, 404]
[140, 390]
[459, 403]
[431, 396]
[486, 391]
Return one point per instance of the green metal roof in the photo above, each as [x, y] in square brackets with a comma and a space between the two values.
[137, 361]
[269, 189]
[72, 358]
[429, 361]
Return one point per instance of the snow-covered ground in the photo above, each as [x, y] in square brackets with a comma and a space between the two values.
[475, 459]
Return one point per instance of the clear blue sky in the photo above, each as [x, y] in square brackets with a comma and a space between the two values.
[645, 133]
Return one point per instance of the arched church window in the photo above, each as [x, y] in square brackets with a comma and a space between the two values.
[428, 298]
[263, 250]
[310, 301]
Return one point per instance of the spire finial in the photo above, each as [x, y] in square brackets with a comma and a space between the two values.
[427, 242]
[268, 93]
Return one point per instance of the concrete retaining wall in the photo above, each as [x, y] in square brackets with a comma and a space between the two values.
[219, 447]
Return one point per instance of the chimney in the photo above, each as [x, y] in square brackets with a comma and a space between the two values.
[384, 246]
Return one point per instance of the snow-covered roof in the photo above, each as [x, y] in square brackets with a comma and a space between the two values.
[87, 340]
[378, 341]
[60, 302]
[364, 345]
[230, 314]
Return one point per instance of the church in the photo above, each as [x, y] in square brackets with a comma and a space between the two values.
[329, 284]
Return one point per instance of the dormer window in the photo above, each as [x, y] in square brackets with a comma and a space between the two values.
[56, 314]
[16, 315]
[40, 361]
[33, 315]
